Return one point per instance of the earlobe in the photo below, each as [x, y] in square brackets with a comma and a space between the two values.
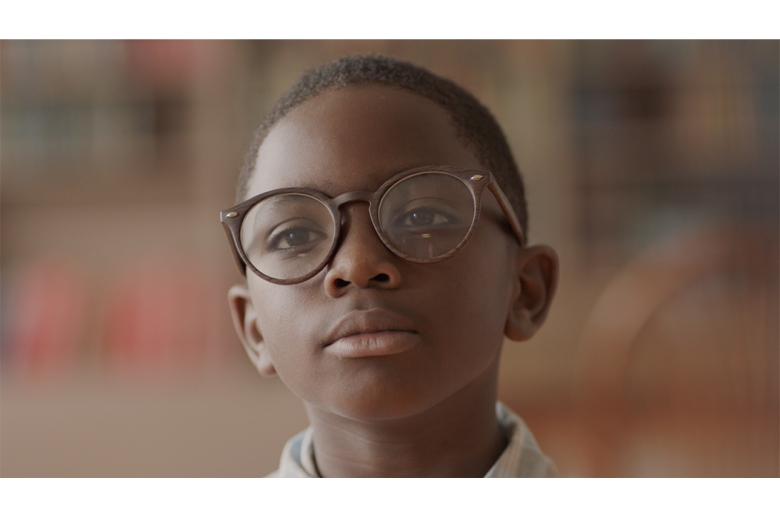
[246, 325]
[535, 283]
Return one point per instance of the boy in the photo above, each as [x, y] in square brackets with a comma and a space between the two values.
[381, 231]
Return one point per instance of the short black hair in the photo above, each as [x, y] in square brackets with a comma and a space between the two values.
[474, 123]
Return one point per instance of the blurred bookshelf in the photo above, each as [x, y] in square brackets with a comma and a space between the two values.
[113, 167]
[84, 121]
[669, 135]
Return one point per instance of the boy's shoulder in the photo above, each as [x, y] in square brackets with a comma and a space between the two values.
[521, 457]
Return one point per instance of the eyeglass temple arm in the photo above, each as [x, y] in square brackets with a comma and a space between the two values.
[503, 201]
[239, 262]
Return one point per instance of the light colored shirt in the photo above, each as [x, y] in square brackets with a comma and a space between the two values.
[520, 458]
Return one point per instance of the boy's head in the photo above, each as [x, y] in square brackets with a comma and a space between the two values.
[473, 123]
[373, 335]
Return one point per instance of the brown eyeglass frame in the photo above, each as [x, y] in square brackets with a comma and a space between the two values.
[475, 180]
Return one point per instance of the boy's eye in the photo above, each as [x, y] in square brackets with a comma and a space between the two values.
[295, 238]
[421, 218]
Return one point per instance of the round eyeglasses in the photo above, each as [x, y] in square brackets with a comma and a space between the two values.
[423, 215]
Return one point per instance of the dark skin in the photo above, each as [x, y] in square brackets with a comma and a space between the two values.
[428, 410]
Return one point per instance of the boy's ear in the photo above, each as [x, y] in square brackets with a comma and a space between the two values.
[535, 282]
[245, 322]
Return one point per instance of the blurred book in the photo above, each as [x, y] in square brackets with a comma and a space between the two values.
[158, 318]
[46, 318]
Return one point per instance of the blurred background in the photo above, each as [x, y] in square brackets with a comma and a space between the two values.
[652, 167]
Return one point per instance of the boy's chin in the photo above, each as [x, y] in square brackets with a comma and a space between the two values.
[378, 408]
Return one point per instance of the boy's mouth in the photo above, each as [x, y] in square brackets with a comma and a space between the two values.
[375, 332]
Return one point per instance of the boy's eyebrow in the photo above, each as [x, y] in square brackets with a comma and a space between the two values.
[325, 186]
[333, 189]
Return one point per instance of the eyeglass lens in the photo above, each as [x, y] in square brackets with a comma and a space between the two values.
[423, 217]
[287, 236]
[426, 216]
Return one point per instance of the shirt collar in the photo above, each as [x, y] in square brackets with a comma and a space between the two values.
[521, 457]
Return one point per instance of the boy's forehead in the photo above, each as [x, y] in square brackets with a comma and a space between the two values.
[356, 137]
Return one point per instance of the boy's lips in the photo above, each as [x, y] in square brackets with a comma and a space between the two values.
[375, 332]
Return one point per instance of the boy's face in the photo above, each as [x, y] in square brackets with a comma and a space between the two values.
[434, 329]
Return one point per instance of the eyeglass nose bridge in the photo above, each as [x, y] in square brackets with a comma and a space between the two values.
[350, 197]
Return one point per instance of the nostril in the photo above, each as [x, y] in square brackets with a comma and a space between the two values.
[341, 283]
[382, 277]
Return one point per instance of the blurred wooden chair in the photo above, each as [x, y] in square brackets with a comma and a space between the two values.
[677, 373]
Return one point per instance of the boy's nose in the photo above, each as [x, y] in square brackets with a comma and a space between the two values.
[361, 259]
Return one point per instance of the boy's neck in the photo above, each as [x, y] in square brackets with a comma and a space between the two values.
[458, 437]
